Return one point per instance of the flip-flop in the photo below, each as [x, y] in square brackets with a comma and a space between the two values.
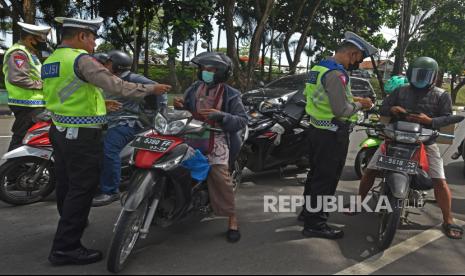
[450, 228]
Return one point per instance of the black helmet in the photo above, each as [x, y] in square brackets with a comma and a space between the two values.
[221, 62]
[422, 72]
[101, 57]
[121, 61]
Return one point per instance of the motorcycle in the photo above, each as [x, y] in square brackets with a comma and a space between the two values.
[404, 177]
[270, 146]
[368, 146]
[163, 190]
[28, 175]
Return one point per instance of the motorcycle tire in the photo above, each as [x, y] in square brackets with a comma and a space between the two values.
[389, 223]
[125, 237]
[15, 172]
[363, 160]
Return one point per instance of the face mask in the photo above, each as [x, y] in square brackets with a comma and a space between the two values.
[353, 67]
[40, 46]
[208, 77]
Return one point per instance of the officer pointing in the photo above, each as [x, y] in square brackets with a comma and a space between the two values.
[73, 83]
[332, 110]
[22, 79]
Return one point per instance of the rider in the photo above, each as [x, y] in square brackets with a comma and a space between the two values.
[434, 106]
[123, 125]
[212, 100]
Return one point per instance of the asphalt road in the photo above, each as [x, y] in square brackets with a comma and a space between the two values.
[271, 244]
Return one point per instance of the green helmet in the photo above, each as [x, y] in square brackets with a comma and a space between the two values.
[394, 83]
[422, 72]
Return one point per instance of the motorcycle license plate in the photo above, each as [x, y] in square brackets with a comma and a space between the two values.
[397, 165]
[151, 144]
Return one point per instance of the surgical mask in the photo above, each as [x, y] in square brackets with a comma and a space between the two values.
[353, 67]
[40, 46]
[208, 77]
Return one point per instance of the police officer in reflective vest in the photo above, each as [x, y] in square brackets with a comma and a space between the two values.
[332, 110]
[73, 83]
[21, 68]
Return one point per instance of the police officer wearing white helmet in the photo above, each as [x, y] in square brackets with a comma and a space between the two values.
[21, 68]
[73, 85]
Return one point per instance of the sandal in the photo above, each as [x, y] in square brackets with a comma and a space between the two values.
[233, 236]
[450, 229]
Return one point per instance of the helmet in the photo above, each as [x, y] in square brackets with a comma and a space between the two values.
[101, 57]
[422, 72]
[121, 61]
[220, 61]
[394, 83]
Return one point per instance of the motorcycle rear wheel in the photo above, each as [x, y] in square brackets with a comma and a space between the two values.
[126, 235]
[15, 175]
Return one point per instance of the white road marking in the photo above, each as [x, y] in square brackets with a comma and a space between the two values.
[395, 253]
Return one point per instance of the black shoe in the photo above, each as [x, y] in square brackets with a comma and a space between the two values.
[233, 236]
[80, 256]
[324, 232]
[104, 199]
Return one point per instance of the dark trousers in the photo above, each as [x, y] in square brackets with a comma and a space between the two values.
[23, 121]
[77, 168]
[328, 152]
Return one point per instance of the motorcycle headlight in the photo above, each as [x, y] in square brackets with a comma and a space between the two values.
[176, 127]
[407, 137]
[161, 124]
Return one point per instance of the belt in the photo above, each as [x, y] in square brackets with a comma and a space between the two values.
[26, 102]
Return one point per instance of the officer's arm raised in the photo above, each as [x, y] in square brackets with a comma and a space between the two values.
[93, 72]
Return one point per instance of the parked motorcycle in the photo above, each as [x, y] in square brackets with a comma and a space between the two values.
[276, 139]
[28, 174]
[404, 172]
[163, 190]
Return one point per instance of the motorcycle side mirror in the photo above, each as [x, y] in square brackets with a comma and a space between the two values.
[301, 103]
[261, 84]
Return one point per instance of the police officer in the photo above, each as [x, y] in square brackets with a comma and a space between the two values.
[123, 125]
[332, 110]
[72, 84]
[22, 79]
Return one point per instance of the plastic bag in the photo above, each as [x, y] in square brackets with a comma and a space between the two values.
[198, 165]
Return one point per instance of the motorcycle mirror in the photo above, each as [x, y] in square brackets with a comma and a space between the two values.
[261, 84]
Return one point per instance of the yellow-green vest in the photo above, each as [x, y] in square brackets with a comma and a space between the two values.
[318, 105]
[19, 96]
[72, 101]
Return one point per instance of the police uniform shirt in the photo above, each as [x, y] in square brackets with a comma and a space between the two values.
[18, 70]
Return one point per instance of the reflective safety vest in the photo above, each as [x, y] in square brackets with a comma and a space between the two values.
[72, 101]
[318, 105]
[20, 96]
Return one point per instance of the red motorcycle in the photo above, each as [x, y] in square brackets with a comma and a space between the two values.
[27, 176]
[163, 188]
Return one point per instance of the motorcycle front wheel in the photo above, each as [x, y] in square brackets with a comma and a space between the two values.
[126, 235]
[389, 223]
[363, 160]
[26, 180]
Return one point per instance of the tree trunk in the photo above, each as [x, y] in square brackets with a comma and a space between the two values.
[147, 42]
[262, 60]
[29, 8]
[292, 30]
[219, 39]
[270, 70]
[231, 43]
[183, 60]
[303, 38]
[402, 41]
[256, 39]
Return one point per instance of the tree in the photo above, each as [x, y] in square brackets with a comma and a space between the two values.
[441, 37]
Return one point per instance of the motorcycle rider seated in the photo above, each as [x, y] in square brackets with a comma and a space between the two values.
[123, 125]
[211, 100]
[434, 107]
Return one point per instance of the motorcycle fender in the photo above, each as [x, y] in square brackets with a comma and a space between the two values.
[26, 151]
[399, 184]
[371, 143]
[142, 184]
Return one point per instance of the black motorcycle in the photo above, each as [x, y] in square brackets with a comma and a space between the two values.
[276, 136]
[404, 179]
